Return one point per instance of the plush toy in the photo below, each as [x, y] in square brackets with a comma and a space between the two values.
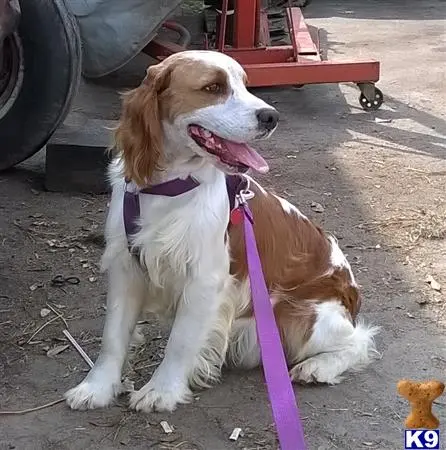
[421, 396]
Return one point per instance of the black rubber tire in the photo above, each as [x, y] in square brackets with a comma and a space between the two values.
[373, 105]
[52, 66]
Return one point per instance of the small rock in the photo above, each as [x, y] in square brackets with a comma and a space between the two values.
[379, 120]
[35, 286]
[92, 279]
[125, 440]
[166, 427]
[411, 316]
[435, 285]
[235, 434]
[44, 312]
[317, 207]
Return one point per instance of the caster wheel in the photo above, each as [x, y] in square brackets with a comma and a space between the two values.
[374, 104]
[40, 71]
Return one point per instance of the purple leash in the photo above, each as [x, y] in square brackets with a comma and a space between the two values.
[280, 391]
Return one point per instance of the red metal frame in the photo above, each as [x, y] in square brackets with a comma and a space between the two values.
[295, 64]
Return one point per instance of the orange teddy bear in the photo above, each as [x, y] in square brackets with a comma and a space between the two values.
[421, 395]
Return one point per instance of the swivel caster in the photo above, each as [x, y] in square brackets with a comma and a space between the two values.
[372, 101]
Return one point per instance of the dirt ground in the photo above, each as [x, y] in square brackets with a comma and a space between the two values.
[381, 180]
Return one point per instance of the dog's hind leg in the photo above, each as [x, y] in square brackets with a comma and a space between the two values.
[334, 346]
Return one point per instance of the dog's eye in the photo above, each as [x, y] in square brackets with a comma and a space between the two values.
[213, 88]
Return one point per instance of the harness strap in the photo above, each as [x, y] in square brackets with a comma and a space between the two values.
[131, 207]
[234, 185]
[172, 188]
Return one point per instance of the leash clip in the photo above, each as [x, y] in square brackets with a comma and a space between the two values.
[245, 194]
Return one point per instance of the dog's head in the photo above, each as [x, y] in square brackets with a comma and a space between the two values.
[193, 105]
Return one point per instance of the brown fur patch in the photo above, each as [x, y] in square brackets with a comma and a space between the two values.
[291, 248]
[295, 256]
[139, 135]
[187, 88]
[175, 86]
[295, 321]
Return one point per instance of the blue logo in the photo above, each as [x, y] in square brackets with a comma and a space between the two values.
[424, 439]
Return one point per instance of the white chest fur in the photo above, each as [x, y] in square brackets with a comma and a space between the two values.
[181, 238]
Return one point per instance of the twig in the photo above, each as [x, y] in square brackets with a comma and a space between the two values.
[308, 188]
[362, 413]
[215, 406]
[58, 314]
[37, 408]
[146, 366]
[118, 429]
[413, 169]
[16, 222]
[310, 404]
[41, 328]
[78, 348]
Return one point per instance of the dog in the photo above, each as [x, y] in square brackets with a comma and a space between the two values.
[192, 117]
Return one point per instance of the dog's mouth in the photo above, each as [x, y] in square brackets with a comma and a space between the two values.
[237, 156]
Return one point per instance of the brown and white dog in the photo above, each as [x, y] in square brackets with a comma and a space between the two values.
[193, 116]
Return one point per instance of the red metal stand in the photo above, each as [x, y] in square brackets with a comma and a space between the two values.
[296, 64]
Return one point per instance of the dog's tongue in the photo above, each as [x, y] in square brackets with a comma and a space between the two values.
[229, 152]
[244, 154]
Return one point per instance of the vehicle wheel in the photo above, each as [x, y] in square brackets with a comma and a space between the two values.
[41, 73]
[374, 103]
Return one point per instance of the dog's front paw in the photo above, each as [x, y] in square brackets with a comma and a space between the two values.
[159, 397]
[92, 394]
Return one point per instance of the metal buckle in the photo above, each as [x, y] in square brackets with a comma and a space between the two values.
[245, 194]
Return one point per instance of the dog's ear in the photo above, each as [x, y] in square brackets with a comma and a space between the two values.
[139, 137]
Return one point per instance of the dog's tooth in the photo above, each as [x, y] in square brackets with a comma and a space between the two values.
[207, 133]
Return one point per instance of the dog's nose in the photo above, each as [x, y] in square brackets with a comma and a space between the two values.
[268, 118]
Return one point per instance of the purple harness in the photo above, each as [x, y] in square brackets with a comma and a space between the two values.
[280, 391]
